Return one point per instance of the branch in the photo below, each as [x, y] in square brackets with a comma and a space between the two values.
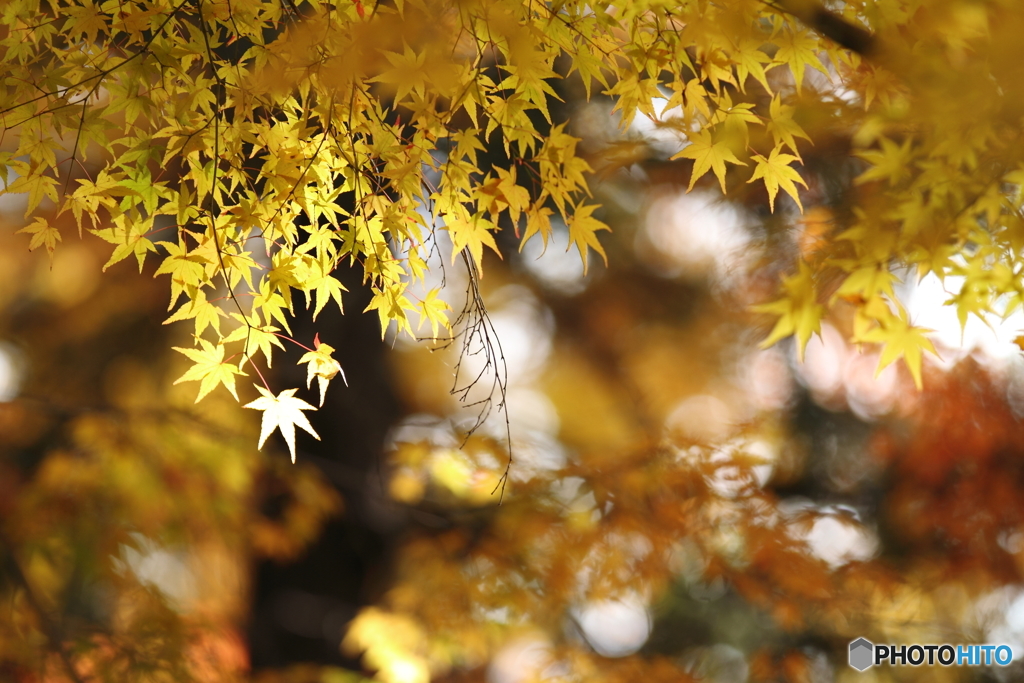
[816, 17]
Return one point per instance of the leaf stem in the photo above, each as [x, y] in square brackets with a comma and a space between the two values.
[297, 343]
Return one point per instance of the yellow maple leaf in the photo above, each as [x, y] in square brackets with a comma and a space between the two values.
[750, 61]
[407, 74]
[209, 369]
[708, 155]
[283, 412]
[204, 312]
[538, 221]
[255, 337]
[583, 228]
[321, 366]
[783, 128]
[776, 172]
[391, 305]
[43, 234]
[900, 338]
[433, 308]
[799, 311]
[472, 233]
[797, 49]
[891, 163]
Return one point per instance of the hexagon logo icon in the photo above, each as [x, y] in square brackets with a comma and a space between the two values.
[862, 654]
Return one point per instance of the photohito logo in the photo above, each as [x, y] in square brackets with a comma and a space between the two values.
[865, 654]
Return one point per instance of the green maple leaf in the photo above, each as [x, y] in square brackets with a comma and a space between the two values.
[283, 412]
[209, 369]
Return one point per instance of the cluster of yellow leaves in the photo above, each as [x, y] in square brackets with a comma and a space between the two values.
[937, 134]
[252, 147]
[879, 317]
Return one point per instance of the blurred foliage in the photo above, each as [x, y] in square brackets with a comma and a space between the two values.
[666, 469]
[127, 517]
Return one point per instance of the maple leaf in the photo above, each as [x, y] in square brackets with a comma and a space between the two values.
[797, 48]
[433, 308]
[708, 155]
[750, 61]
[892, 162]
[205, 313]
[88, 22]
[900, 338]
[502, 192]
[321, 366]
[783, 128]
[283, 412]
[735, 119]
[38, 187]
[209, 369]
[538, 221]
[407, 74]
[257, 338]
[866, 282]
[776, 172]
[185, 268]
[271, 304]
[43, 234]
[589, 67]
[391, 304]
[324, 286]
[633, 93]
[799, 311]
[583, 230]
[127, 243]
[472, 234]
